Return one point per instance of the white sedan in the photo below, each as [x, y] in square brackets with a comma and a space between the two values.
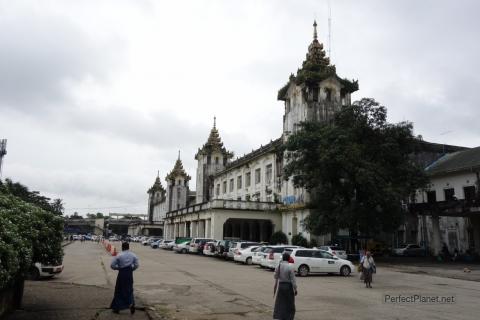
[181, 247]
[245, 255]
[306, 261]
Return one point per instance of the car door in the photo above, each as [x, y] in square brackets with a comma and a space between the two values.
[305, 257]
[329, 263]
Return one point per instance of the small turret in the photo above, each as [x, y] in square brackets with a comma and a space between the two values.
[211, 158]
[177, 185]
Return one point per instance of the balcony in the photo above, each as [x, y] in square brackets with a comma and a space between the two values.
[459, 208]
[224, 204]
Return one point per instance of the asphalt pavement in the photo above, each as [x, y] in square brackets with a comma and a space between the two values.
[180, 286]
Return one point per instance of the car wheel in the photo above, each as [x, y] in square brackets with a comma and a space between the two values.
[248, 261]
[34, 274]
[303, 270]
[184, 251]
[345, 271]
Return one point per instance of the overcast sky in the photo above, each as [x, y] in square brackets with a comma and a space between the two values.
[96, 96]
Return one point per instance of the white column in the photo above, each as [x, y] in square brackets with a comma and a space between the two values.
[476, 233]
[208, 228]
[436, 235]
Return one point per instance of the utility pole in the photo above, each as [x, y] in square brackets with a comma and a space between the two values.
[3, 152]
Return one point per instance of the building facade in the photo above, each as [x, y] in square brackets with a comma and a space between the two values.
[448, 211]
[250, 198]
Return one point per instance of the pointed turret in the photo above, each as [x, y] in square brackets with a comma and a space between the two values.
[212, 157]
[157, 185]
[214, 144]
[315, 69]
[178, 171]
[156, 195]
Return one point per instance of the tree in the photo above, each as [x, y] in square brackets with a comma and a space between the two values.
[299, 240]
[57, 206]
[34, 197]
[358, 170]
[279, 238]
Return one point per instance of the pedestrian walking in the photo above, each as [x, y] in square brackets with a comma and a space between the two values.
[285, 290]
[368, 269]
[126, 262]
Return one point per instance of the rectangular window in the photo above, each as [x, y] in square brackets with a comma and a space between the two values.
[469, 193]
[449, 194]
[209, 159]
[239, 182]
[258, 176]
[216, 160]
[224, 187]
[248, 178]
[231, 185]
[268, 174]
[217, 190]
[431, 196]
[247, 197]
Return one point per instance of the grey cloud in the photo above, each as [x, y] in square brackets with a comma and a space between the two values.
[41, 55]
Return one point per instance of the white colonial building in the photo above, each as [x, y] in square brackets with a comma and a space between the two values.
[449, 210]
[250, 198]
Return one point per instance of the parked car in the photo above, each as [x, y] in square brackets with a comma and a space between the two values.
[196, 244]
[306, 261]
[113, 238]
[336, 251]
[274, 255]
[181, 247]
[259, 254]
[40, 270]
[209, 248]
[245, 255]
[155, 244]
[149, 240]
[409, 250]
[222, 247]
[169, 245]
[164, 243]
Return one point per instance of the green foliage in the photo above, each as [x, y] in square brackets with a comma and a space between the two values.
[34, 197]
[279, 238]
[299, 240]
[358, 170]
[27, 234]
[313, 243]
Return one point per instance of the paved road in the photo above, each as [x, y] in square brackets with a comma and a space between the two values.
[196, 287]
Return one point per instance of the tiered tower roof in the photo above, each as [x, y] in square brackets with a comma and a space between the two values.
[178, 171]
[157, 185]
[214, 143]
[315, 69]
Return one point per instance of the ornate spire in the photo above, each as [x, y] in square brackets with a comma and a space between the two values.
[157, 185]
[316, 55]
[315, 68]
[178, 171]
[214, 143]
